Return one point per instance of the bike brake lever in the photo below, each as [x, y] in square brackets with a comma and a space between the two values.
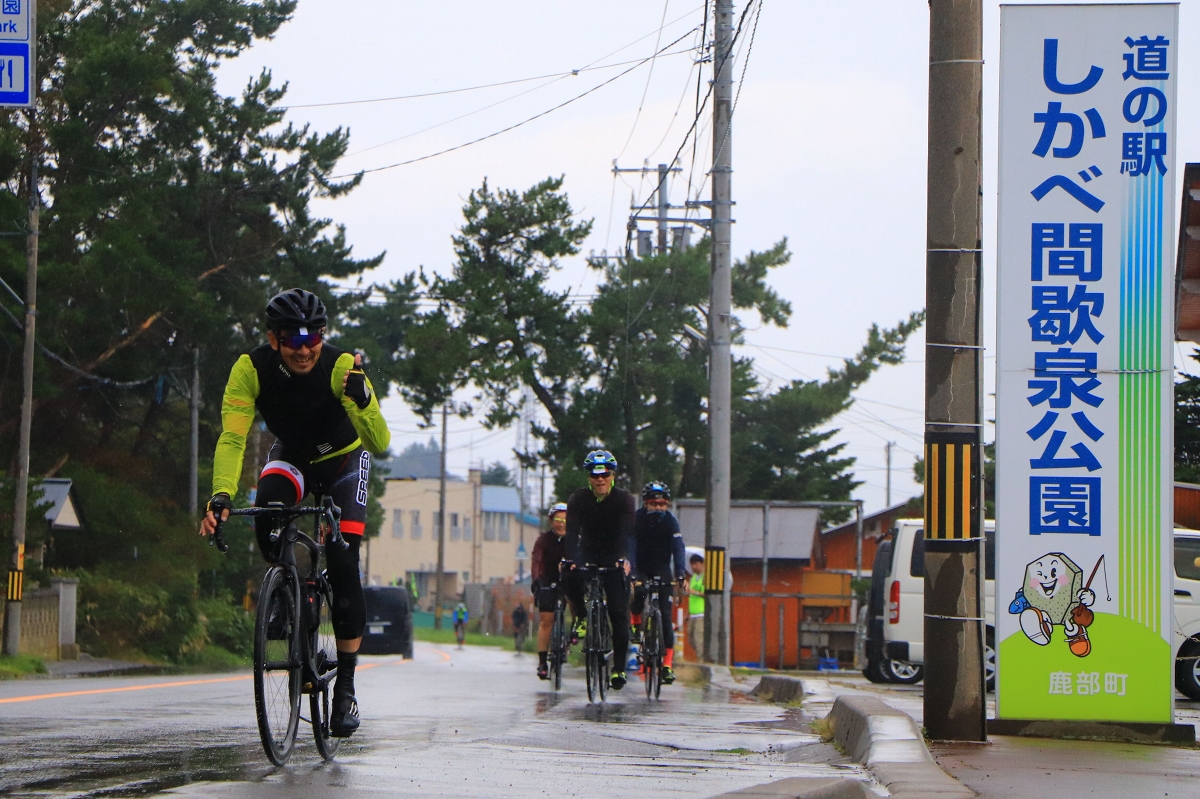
[218, 539]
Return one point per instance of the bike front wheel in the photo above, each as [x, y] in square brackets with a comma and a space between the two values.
[652, 654]
[325, 660]
[277, 664]
[558, 647]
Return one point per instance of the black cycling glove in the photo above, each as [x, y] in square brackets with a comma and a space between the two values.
[219, 504]
[357, 388]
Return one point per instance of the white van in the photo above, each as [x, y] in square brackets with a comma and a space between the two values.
[904, 606]
[1187, 612]
[904, 603]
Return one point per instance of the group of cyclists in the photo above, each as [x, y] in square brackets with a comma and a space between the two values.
[602, 526]
[323, 411]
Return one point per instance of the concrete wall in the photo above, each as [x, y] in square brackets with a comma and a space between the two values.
[48, 621]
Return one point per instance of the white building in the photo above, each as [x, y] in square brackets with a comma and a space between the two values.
[484, 534]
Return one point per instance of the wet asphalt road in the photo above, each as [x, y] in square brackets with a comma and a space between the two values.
[451, 723]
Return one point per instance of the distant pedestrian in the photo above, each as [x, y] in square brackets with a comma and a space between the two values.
[520, 622]
[695, 592]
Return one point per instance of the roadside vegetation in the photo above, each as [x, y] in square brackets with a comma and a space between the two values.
[446, 637]
[12, 667]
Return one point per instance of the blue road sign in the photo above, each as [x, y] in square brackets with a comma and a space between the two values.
[17, 27]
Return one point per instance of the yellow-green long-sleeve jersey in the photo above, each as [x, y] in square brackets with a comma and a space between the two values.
[309, 414]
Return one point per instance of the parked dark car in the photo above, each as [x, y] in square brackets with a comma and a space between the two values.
[877, 662]
[389, 622]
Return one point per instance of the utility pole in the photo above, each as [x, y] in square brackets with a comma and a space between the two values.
[662, 218]
[887, 492]
[439, 586]
[716, 607]
[954, 624]
[16, 571]
[663, 230]
[194, 465]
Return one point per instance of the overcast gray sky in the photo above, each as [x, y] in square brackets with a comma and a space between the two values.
[828, 150]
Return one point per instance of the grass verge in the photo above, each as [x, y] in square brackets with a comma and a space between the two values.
[12, 667]
[446, 636]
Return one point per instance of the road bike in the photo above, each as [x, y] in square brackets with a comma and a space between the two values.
[519, 635]
[653, 643]
[560, 638]
[295, 652]
[460, 632]
[597, 644]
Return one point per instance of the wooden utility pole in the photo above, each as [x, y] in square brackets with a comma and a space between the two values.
[954, 624]
[716, 611]
[439, 586]
[16, 569]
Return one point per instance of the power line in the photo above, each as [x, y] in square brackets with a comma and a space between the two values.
[742, 79]
[75, 370]
[514, 126]
[550, 75]
[481, 109]
[646, 88]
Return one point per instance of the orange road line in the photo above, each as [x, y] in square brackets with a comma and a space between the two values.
[122, 689]
[151, 686]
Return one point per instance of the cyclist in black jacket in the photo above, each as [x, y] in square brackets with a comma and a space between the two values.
[659, 553]
[549, 551]
[599, 531]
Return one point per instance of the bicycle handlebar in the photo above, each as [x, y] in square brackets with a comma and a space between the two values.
[327, 508]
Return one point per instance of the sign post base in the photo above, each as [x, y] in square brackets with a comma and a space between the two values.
[1124, 731]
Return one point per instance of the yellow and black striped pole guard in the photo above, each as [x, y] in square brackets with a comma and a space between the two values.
[952, 463]
[714, 570]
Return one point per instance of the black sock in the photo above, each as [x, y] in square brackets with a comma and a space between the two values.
[345, 672]
[541, 658]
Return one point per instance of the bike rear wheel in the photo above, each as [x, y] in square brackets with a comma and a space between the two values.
[652, 653]
[277, 664]
[324, 652]
[605, 638]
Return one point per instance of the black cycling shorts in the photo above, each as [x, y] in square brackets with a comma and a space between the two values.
[344, 479]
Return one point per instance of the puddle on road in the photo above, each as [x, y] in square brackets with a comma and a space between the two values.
[86, 767]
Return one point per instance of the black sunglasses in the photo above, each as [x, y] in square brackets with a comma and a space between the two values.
[295, 341]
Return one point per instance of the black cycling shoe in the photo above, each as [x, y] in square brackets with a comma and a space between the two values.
[617, 682]
[343, 721]
[543, 671]
[667, 675]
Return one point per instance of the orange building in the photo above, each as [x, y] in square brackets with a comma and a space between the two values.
[805, 594]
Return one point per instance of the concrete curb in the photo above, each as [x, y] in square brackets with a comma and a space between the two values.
[804, 788]
[694, 672]
[888, 742]
[783, 689]
[778, 688]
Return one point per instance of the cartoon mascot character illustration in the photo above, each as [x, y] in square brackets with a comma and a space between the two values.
[1054, 594]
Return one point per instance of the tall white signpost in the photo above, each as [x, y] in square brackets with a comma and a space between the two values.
[1084, 378]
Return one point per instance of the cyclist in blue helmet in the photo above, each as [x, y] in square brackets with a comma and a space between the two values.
[659, 552]
[600, 532]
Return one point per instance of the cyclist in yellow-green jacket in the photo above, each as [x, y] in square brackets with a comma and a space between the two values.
[323, 412]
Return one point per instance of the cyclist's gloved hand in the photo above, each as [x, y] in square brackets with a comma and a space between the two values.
[357, 389]
[534, 585]
[219, 505]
